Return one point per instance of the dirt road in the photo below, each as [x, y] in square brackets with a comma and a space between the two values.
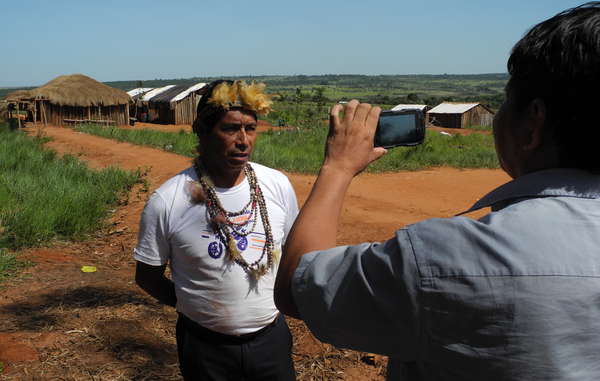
[57, 322]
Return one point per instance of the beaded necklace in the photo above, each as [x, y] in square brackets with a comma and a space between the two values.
[227, 229]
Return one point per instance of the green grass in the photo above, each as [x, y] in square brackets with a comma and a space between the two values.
[43, 196]
[480, 128]
[10, 266]
[178, 142]
[302, 150]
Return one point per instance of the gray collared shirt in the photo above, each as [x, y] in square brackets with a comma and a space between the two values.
[514, 295]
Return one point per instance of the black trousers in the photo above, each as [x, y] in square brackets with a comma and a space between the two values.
[259, 356]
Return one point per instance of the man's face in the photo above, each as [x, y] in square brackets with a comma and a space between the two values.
[227, 147]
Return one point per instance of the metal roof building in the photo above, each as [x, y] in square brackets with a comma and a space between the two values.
[171, 104]
[138, 92]
[410, 107]
[460, 115]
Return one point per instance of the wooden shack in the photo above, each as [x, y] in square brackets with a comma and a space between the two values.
[16, 106]
[74, 98]
[173, 104]
[460, 115]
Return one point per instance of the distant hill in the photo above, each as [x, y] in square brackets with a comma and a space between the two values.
[379, 89]
[319, 80]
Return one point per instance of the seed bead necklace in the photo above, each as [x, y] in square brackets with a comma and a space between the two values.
[227, 229]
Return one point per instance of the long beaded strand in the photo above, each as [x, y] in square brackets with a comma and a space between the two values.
[224, 226]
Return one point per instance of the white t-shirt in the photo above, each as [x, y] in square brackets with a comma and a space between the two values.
[212, 290]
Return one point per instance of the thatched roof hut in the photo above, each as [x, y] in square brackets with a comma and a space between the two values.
[18, 95]
[76, 98]
[80, 91]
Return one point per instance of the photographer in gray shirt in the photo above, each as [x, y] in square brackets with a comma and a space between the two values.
[514, 295]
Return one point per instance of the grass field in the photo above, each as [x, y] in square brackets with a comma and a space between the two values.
[302, 150]
[43, 197]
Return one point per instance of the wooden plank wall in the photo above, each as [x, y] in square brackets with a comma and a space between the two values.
[478, 116]
[56, 114]
[447, 120]
[181, 112]
[185, 110]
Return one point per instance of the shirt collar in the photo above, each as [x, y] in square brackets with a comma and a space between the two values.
[565, 182]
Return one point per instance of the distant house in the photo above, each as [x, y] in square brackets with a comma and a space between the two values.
[74, 98]
[172, 104]
[138, 92]
[460, 115]
[400, 107]
[137, 109]
[143, 112]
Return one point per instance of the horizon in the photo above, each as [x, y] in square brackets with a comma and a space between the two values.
[114, 41]
[272, 75]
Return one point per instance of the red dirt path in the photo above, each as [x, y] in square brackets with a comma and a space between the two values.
[59, 322]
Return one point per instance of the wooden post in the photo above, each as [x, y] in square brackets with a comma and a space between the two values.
[43, 107]
[18, 114]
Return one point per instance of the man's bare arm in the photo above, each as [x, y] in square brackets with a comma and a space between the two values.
[152, 280]
[349, 150]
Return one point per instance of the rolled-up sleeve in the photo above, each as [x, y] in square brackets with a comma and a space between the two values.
[362, 297]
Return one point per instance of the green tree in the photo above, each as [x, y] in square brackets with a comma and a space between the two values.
[412, 97]
[319, 98]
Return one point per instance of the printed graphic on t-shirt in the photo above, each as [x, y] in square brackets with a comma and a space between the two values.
[250, 244]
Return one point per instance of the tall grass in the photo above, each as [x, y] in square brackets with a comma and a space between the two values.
[302, 150]
[180, 142]
[43, 196]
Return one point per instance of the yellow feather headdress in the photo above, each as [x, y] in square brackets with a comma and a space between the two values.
[240, 94]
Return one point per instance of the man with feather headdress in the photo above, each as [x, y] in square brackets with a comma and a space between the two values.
[220, 226]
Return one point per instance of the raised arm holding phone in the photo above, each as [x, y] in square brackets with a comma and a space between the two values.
[511, 296]
[349, 151]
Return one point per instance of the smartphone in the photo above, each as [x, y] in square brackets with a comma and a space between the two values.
[400, 128]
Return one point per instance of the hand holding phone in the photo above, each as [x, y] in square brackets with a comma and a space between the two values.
[349, 145]
[400, 128]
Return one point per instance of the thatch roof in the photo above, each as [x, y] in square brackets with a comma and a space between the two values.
[18, 95]
[80, 90]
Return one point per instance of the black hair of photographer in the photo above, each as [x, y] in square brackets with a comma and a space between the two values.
[558, 61]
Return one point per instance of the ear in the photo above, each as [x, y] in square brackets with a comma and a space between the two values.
[536, 118]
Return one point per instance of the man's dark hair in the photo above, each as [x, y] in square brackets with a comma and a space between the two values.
[558, 61]
[207, 114]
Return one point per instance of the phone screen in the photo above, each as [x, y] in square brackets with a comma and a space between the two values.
[397, 129]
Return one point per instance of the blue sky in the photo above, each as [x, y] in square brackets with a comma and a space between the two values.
[113, 40]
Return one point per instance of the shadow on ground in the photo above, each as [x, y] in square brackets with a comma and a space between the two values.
[106, 332]
[46, 310]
